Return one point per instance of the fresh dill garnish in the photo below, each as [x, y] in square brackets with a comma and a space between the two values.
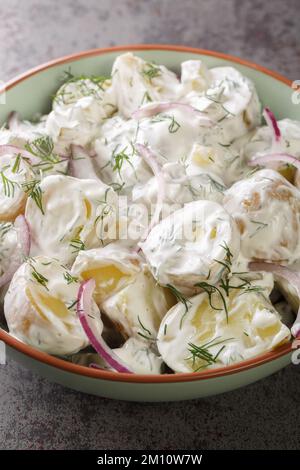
[16, 165]
[43, 148]
[33, 190]
[180, 298]
[147, 335]
[201, 352]
[117, 187]
[222, 290]
[261, 225]
[72, 304]
[77, 244]
[69, 278]
[4, 228]
[174, 125]
[151, 71]
[118, 159]
[83, 82]
[38, 276]
[146, 98]
[8, 185]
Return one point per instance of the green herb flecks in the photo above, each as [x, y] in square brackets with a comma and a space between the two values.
[69, 278]
[151, 71]
[38, 276]
[77, 244]
[180, 298]
[8, 185]
[147, 333]
[33, 190]
[174, 125]
[202, 353]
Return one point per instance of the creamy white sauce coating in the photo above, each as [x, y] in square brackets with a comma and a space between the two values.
[191, 244]
[253, 327]
[73, 216]
[201, 130]
[266, 208]
[40, 307]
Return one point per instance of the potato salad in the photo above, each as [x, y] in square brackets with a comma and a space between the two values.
[150, 223]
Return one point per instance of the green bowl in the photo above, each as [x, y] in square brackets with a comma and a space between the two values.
[30, 94]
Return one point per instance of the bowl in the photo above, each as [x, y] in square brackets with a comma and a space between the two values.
[29, 94]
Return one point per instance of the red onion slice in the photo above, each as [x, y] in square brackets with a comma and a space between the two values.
[150, 110]
[23, 245]
[80, 164]
[275, 157]
[290, 276]
[84, 308]
[272, 123]
[150, 158]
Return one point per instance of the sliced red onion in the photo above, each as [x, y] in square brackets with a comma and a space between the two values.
[274, 157]
[14, 151]
[290, 276]
[80, 164]
[13, 121]
[272, 123]
[23, 243]
[150, 158]
[150, 110]
[84, 309]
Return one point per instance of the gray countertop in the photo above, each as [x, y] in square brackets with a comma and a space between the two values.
[35, 414]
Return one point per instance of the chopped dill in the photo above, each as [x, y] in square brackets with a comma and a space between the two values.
[147, 335]
[69, 278]
[151, 71]
[146, 98]
[16, 165]
[180, 298]
[33, 190]
[174, 125]
[39, 277]
[8, 185]
[77, 244]
[72, 304]
[201, 352]
[4, 228]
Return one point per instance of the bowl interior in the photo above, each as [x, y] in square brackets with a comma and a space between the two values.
[32, 94]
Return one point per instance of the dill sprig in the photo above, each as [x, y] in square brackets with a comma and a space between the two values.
[4, 228]
[201, 352]
[222, 290]
[69, 278]
[174, 125]
[84, 88]
[77, 244]
[151, 71]
[33, 190]
[16, 165]
[147, 335]
[38, 276]
[180, 298]
[8, 185]
[43, 148]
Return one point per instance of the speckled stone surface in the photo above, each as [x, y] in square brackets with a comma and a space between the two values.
[35, 414]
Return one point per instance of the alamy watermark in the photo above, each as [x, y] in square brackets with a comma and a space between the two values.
[2, 353]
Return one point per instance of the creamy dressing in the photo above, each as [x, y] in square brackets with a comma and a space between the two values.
[160, 232]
